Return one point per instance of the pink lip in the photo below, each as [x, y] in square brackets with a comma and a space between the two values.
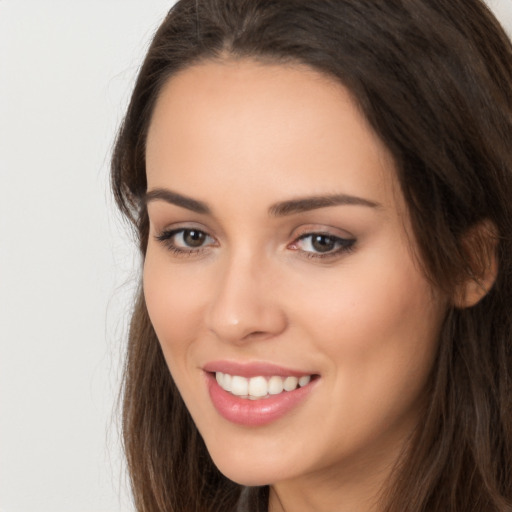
[255, 369]
[254, 413]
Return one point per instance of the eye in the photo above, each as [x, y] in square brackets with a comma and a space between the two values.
[185, 240]
[190, 238]
[318, 245]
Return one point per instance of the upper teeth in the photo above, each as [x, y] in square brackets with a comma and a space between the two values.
[258, 387]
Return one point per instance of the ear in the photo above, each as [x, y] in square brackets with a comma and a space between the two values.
[480, 248]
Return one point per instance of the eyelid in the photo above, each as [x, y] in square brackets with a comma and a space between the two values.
[338, 239]
[166, 238]
[321, 229]
[344, 241]
[161, 228]
[171, 233]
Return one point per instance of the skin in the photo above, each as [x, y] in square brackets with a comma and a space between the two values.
[242, 136]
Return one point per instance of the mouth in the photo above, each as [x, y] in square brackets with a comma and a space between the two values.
[260, 387]
[254, 395]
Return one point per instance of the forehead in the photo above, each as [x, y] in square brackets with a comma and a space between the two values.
[249, 125]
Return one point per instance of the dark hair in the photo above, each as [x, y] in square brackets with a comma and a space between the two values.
[434, 79]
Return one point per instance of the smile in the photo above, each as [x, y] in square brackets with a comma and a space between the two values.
[256, 388]
[256, 394]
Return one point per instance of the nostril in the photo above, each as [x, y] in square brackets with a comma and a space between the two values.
[258, 334]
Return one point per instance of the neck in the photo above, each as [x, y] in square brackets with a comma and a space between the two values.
[356, 487]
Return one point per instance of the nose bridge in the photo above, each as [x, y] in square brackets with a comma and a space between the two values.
[243, 305]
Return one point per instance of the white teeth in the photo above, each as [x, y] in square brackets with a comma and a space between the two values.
[227, 382]
[290, 383]
[239, 386]
[259, 387]
[275, 385]
[303, 381]
[224, 380]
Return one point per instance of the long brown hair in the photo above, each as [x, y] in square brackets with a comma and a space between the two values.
[434, 79]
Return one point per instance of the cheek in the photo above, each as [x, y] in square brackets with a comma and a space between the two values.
[377, 298]
[378, 324]
[173, 300]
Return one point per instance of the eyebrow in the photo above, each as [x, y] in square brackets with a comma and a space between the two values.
[314, 202]
[281, 209]
[171, 197]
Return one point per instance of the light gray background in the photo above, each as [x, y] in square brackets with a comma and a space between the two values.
[67, 269]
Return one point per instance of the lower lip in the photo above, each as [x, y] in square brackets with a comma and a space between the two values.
[254, 413]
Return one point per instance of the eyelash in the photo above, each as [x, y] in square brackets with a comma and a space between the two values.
[167, 239]
[345, 245]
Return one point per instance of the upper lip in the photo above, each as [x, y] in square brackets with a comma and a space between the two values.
[253, 369]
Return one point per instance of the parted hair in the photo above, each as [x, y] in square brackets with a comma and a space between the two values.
[434, 79]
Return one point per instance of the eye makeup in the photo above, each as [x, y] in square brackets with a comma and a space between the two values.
[185, 241]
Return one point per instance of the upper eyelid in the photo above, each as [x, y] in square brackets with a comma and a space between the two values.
[343, 244]
[303, 232]
[350, 240]
[335, 232]
[324, 233]
[170, 232]
[176, 227]
[166, 236]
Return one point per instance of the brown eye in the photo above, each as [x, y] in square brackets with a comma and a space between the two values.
[323, 243]
[193, 238]
[185, 240]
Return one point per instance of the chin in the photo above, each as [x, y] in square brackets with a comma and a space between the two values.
[246, 475]
[246, 468]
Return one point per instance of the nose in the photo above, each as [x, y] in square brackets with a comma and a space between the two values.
[244, 305]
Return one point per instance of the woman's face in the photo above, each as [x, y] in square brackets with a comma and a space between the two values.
[280, 254]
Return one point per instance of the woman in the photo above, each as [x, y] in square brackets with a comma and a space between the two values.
[322, 196]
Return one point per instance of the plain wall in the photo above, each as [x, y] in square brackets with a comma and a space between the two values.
[67, 266]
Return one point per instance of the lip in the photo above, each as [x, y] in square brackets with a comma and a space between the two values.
[254, 413]
[253, 369]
